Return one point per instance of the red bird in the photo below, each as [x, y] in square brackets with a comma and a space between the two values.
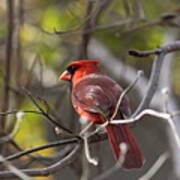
[95, 96]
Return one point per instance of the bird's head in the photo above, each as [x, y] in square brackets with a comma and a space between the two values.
[75, 66]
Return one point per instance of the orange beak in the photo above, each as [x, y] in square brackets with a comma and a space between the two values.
[65, 76]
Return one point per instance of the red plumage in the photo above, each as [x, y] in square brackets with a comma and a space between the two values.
[95, 96]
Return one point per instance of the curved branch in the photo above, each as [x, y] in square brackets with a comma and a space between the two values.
[47, 170]
[153, 82]
[39, 148]
[175, 46]
[93, 139]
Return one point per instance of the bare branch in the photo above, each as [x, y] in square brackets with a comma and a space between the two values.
[47, 170]
[17, 44]
[124, 93]
[93, 139]
[117, 166]
[91, 160]
[14, 170]
[152, 85]
[16, 111]
[166, 116]
[153, 82]
[9, 52]
[94, 11]
[39, 148]
[155, 168]
[116, 25]
[19, 116]
[175, 46]
[53, 121]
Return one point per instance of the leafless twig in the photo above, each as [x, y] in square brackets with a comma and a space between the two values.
[153, 82]
[9, 52]
[73, 140]
[39, 148]
[87, 152]
[175, 46]
[155, 168]
[53, 121]
[19, 117]
[14, 170]
[124, 93]
[118, 165]
[166, 116]
[47, 170]
[164, 20]
[94, 11]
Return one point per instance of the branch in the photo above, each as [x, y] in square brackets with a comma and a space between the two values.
[53, 121]
[14, 170]
[9, 51]
[153, 82]
[168, 19]
[47, 170]
[162, 115]
[152, 85]
[166, 81]
[94, 10]
[116, 25]
[164, 20]
[93, 139]
[123, 149]
[175, 46]
[157, 165]
[19, 117]
[124, 93]
[39, 148]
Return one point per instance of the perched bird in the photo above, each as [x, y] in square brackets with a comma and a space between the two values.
[94, 97]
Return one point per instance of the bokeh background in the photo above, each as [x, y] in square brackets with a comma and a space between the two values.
[38, 38]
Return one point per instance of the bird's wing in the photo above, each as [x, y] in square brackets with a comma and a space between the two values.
[92, 98]
[99, 95]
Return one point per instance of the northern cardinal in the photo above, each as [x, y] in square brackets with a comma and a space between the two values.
[94, 97]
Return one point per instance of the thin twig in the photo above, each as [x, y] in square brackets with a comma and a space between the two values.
[47, 170]
[39, 148]
[156, 166]
[19, 116]
[153, 82]
[162, 21]
[144, 53]
[123, 148]
[93, 139]
[53, 121]
[172, 47]
[17, 43]
[94, 11]
[87, 152]
[116, 25]
[86, 128]
[16, 111]
[14, 170]
[9, 52]
[124, 93]
[152, 86]
[165, 94]
[166, 116]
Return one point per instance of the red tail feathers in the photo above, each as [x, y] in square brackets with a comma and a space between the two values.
[118, 134]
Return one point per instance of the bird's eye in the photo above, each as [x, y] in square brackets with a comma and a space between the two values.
[72, 69]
